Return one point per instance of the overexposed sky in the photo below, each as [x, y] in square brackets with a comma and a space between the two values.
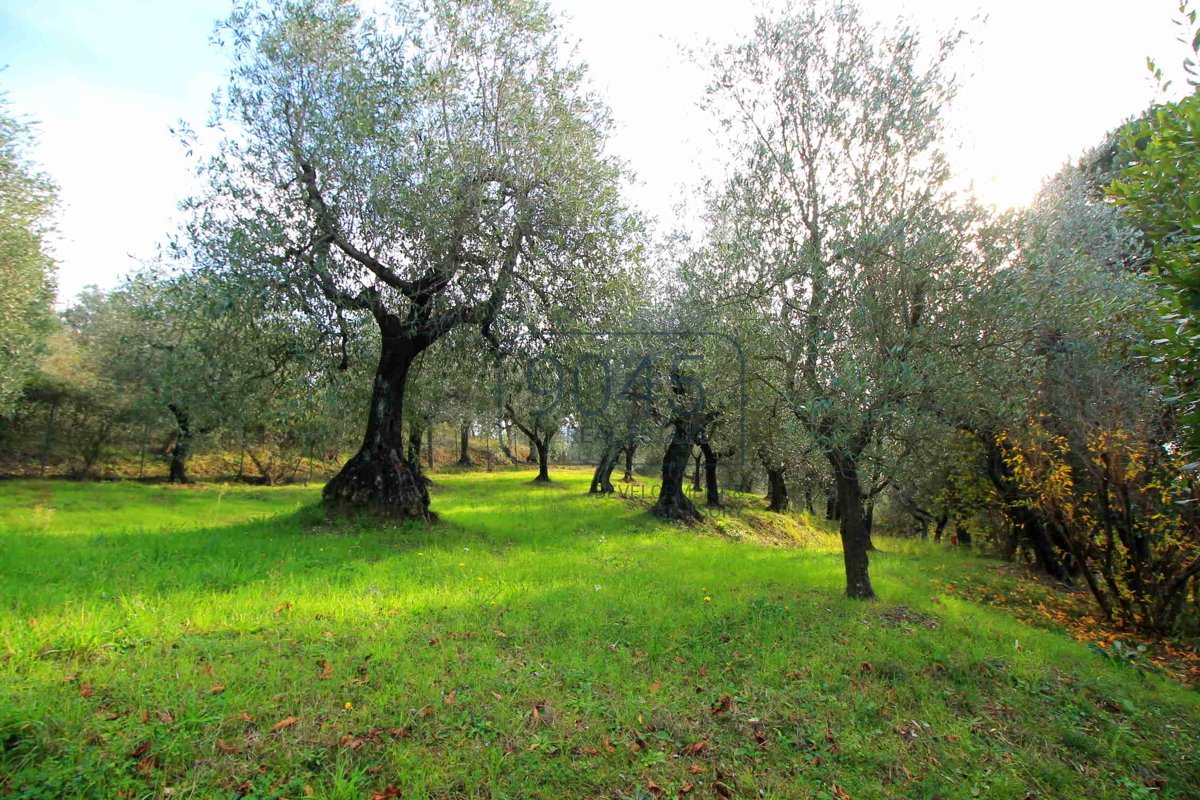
[107, 79]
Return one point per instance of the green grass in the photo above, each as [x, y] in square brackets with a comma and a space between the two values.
[538, 643]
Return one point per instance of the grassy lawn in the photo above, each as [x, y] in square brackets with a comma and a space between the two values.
[538, 643]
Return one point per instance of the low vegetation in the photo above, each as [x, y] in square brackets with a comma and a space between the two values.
[215, 641]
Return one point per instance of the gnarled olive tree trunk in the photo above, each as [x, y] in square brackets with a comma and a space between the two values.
[378, 477]
[602, 476]
[673, 502]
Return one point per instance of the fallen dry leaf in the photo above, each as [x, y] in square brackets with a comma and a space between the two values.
[140, 750]
[390, 792]
[654, 687]
[721, 790]
[685, 790]
[225, 747]
[284, 723]
[85, 690]
[326, 671]
[654, 789]
[696, 769]
[694, 748]
[722, 705]
[218, 688]
[279, 609]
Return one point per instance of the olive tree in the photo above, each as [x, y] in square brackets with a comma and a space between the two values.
[837, 225]
[26, 270]
[421, 168]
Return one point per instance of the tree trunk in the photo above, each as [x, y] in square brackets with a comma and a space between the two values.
[869, 524]
[49, 436]
[429, 446]
[532, 457]
[602, 477]
[672, 502]
[415, 435]
[505, 440]
[831, 502]
[464, 441]
[696, 471]
[777, 491]
[543, 457]
[629, 450]
[1051, 555]
[855, 537]
[940, 527]
[377, 478]
[712, 492]
[777, 494]
[183, 445]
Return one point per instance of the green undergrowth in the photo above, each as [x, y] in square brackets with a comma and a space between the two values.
[208, 641]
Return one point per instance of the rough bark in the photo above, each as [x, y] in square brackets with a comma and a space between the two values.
[853, 528]
[377, 478]
[602, 476]
[673, 503]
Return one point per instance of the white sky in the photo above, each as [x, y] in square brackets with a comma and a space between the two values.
[1044, 80]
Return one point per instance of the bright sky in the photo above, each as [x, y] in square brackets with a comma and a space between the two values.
[106, 79]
